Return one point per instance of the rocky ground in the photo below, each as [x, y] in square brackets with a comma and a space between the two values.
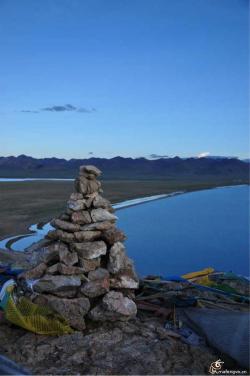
[137, 347]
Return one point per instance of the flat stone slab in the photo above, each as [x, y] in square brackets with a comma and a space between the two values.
[90, 250]
[56, 283]
[99, 215]
[82, 236]
[66, 226]
[104, 225]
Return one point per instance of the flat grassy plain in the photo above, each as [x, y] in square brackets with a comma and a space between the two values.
[25, 203]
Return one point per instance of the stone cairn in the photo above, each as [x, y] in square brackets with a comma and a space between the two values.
[85, 271]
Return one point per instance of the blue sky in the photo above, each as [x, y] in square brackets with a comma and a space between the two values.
[164, 77]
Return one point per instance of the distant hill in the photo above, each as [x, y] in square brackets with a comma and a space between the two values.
[126, 168]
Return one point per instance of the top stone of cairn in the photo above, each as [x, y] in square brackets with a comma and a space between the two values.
[89, 169]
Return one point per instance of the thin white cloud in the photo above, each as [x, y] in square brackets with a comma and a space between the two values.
[203, 154]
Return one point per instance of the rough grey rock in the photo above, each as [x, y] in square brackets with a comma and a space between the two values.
[48, 254]
[90, 250]
[76, 196]
[76, 205]
[81, 236]
[64, 217]
[81, 218]
[86, 186]
[117, 258]
[37, 272]
[67, 257]
[57, 283]
[114, 307]
[113, 235]
[99, 273]
[98, 283]
[116, 348]
[124, 281]
[69, 211]
[69, 293]
[66, 226]
[61, 235]
[69, 270]
[89, 199]
[89, 265]
[93, 289]
[101, 202]
[99, 215]
[73, 310]
[105, 225]
[125, 278]
[53, 269]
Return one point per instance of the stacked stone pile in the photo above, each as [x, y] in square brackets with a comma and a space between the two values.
[85, 271]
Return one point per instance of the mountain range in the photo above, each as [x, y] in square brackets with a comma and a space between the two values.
[125, 168]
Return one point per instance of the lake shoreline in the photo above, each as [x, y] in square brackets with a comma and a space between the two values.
[33, 229]
[6, 243]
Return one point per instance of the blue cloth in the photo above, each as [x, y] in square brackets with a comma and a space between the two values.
[7, 272]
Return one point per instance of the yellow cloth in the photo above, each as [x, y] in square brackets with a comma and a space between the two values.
[35, 318]
[200, 273]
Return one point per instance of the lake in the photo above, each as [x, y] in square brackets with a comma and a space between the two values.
[183, 233]
[189, 232]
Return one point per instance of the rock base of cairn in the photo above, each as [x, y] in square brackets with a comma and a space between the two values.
[86, 272]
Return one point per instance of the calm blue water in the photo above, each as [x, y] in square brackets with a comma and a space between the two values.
[189, 232]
